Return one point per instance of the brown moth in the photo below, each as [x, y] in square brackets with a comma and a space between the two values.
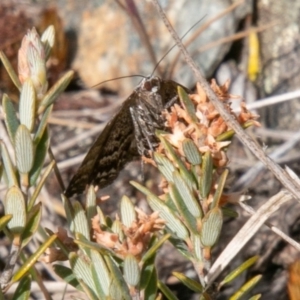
[127, 136]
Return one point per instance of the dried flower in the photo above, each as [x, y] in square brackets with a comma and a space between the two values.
[136, 237]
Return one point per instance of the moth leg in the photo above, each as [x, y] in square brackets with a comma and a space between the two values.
[171, 102]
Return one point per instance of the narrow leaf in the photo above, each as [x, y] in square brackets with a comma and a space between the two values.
[187, 195]
[42, 125]
[189, 220]
[240, 269]
[24, 150]
[118, 279]
[34, 217]
[246, 288]
[175, 157]
[80, 221]
[128, 215]
[14, 204]
[219, 191]
[23, 290]
[131, 270]
[67, 275]
[187, 103]
[33, 259]
[40, 184]
[48, 39]
[8, 166]
[153, 250]
[10, 117]
[40, 155]
[91, 205]
[166, 291]
[190, 283]
[206, 178]
[4, 220]
[101, 272]
[165, 166]
[55, 91]
[10, 70]
[191, 152]
[173, 223]
[211, 227]
[27, 105]
[151, 288]
[81, 266]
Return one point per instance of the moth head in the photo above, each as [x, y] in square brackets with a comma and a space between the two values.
[151, 84]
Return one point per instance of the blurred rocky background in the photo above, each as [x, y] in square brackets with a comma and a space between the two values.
[254, 44]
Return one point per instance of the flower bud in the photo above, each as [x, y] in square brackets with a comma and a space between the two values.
[31, 62]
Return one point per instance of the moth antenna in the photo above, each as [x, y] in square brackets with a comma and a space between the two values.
[176, 45]
[117, 78]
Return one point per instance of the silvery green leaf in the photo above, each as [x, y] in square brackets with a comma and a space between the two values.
[191, 152]
[131, 270]
[189, 219]
[55, 91]
[101, 274]
[48, 39]
[101, 216]
[175, 157]
[80, 221]
[24, 150]
[128, 214]
[165, 166]
[27, 105]
[187, 195]
[197, 246]
[117, 229]
[10, 117]
[91, 205]
[211, 227]
[8, 166]
[118, 282]
[69, 212]
[82, 269]
[115, 291]
[14, 204]
[173, 223]
[10, 70]
[206, 178]
[165, 212]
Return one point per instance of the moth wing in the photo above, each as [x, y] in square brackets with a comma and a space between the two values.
[113, 148]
